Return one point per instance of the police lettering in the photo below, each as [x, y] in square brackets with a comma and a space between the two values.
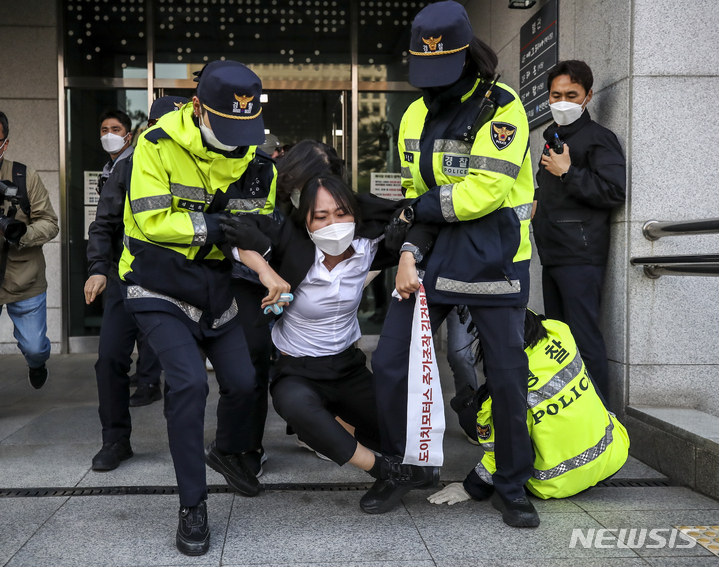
[554, 408]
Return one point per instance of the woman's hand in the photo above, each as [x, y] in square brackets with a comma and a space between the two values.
[275, 285]
[407, 281]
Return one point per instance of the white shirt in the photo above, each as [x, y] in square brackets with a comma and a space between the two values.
[322, 318]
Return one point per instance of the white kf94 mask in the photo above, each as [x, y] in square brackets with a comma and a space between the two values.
[334, 239]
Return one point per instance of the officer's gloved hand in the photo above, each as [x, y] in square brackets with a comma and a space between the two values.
[395, 234]
[244, 235]
[450, 494]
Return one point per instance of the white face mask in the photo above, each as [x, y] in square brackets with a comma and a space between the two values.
[295, 198]
[564, 112]
[211, 139]
[2, 155]
[334, 239]
[112, 143]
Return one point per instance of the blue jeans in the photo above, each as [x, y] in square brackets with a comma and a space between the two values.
[459, 352]
[30, 320]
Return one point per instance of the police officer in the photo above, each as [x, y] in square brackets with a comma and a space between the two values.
[464, 151]
[577, 442]
[188, 170]
[119, 331]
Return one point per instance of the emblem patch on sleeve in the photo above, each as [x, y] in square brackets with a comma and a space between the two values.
[484, 432]
[409, 157]
[503, 134]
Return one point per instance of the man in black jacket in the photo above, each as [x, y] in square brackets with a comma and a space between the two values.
[119, 331]
[581, 177]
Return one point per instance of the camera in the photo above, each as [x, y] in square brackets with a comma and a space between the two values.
[11, 228]
[556, 144]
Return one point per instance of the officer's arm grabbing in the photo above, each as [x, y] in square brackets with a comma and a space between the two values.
[496, 160]
[150, 201]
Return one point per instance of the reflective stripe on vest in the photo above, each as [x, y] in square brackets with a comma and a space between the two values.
[556, 383]
[199, 226]
[524, 212]
[191, 193]
[194, 313]
[483, 473]
[144, 204]
[246, 204]
[499, 287]
[580, 460]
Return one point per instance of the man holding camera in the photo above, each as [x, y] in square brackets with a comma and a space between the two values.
[22, 263]
[581, 177]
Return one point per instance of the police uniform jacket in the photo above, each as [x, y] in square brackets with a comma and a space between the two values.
[104, 246]
[178, 191]
[25, 273]
[478, 193]
[577, 442]
[571, 225]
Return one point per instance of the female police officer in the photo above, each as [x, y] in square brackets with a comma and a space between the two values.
[464, 150]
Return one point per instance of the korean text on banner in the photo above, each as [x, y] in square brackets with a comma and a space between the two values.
[425, 406]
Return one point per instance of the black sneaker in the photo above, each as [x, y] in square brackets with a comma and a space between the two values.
[134, 381]
[395, 481]
[254, 461]
[111, 455]
[38, 376]
[145, 395]
[239, 478]
[518, 513]
[193, 533]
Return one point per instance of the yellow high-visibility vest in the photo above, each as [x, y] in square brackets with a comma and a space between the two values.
[576, 441]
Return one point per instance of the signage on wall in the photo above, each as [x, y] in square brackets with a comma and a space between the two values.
[538, 53]
[387, 185]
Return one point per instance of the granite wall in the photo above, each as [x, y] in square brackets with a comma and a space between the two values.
[28, 95]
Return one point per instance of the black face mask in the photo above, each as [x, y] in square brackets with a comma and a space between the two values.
[469, 70]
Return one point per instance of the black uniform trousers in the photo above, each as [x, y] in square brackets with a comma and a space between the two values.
[308, 392]
[573, 295]
[186, 391]
[259, 342]
[117, 341]
[501, 330]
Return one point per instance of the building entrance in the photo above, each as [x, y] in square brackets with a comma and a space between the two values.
[333, 71]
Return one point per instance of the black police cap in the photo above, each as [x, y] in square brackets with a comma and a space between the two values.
[441, 34]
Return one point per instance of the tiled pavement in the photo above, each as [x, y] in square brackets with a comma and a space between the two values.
[48, 438]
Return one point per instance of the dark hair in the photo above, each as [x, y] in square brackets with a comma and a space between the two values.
[534, 330]
[578, 71]
[118, 115]
[344, 198]
[4, 124]
[483, 57]
[534, 333]
[302, 162]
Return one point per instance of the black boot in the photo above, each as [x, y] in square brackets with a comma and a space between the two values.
[111, 455]
[518, 513]
[193, 533]
[239, 478]
[145, 395]
[394, 480]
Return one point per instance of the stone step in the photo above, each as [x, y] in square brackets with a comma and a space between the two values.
[681, 443]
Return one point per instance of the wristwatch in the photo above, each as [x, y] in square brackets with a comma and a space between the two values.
[564, 174]
[408, 213]
[407, 247]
